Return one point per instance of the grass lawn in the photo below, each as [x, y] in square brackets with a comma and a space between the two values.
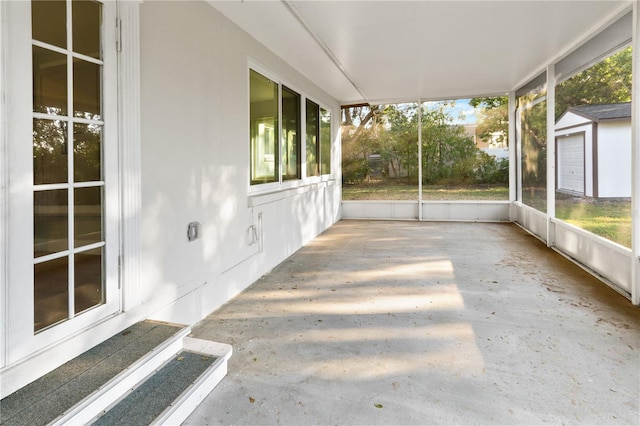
[610, 219]
[607, 218]
[381, 190]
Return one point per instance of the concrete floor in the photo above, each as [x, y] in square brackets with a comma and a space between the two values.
[426, 323]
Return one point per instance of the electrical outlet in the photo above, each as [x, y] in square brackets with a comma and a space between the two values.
[193, 231]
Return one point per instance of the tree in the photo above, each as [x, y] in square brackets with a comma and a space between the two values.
[448, 154]
[607, 82]
[360, 130]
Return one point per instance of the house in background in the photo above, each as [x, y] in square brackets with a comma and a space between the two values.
[494, 145]
[593, 151]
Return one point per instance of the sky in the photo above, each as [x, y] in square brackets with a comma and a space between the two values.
[468, 112]
[463, 113]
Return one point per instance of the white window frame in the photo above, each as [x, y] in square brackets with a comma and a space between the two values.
[19, 338]
[304, 180]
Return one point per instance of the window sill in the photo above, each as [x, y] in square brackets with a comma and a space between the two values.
[270, 196]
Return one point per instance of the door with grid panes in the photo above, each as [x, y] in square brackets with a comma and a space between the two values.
[71, 202]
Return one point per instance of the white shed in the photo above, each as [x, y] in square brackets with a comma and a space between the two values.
[593, 150]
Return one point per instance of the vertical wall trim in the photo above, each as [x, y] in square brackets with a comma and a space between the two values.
[551, 152]
[595, 191]
[635, 160]
[130, 152]
[4, 193]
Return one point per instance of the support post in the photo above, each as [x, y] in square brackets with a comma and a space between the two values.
[635, 160]
[419, 159]
[551, 154]
[513, 159]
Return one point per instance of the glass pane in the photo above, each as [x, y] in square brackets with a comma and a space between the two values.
[88, 290]
[49, 81]
[87, 215]
[51, 222]
[290, 134]
[325, 142]
[87, 152]
[533, 131]
[380, 152]
[464, 149]
[48, 19]
[313, 111]
[593, 148]
[51, 293]
[50, 160]
[263, 129]
[87, 16]
[86, 89]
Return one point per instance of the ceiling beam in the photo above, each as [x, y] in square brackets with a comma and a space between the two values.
[291, 8]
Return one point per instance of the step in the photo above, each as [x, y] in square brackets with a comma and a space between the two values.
[82, 389]
[172, 393]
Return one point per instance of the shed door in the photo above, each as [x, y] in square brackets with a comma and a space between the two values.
[571, 163]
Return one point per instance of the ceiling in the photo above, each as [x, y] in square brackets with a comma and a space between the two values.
[383, 51]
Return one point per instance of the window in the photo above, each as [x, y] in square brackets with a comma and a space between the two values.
[290, 134]
[276, 145]
[459, 161]
[593, 148]
[313, 135]
[532, 131]
[68, 172]
[325, 142]
[263, 129]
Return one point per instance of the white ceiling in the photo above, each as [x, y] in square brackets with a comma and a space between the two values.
[404, 50]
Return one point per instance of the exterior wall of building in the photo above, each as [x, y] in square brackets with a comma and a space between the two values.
[193, 167]
[195, 163]
[614, 158]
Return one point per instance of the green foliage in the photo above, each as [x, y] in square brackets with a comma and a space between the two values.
[489, 102]
[491, 170]
[607, 82]
[449, 155]
[534, 148]
[354, 170]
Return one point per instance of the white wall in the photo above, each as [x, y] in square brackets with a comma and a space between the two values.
[194, 167]
[195, 158]
[614, 159]
[607, 260]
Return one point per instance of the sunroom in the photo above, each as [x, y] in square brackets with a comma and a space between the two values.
[159, 157]
[408, 80]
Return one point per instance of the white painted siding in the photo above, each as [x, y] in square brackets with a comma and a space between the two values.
[570, 120]
[195, 163]
[614, 159]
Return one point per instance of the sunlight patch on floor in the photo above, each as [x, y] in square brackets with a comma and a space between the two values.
[438, 298]
[449, 350]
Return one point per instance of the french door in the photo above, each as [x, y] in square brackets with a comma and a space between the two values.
[63, 186]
